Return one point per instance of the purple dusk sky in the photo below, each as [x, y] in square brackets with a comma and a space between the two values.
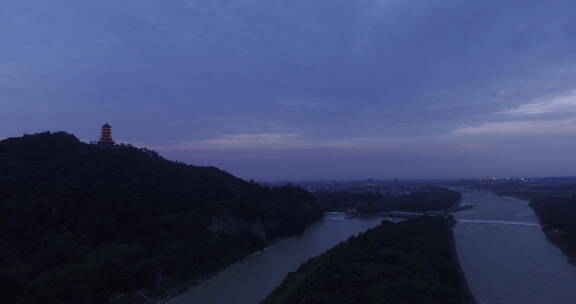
[300, 89]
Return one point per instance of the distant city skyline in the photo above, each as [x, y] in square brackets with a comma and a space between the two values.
[303, 90]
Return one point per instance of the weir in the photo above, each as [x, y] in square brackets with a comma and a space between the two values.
[506, 257]
[499, 222]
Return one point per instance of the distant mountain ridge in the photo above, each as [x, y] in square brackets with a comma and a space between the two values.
[84, 224]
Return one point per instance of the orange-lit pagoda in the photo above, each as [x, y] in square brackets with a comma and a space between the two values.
[106, 138]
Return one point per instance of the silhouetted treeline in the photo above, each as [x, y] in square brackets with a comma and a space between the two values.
[81, 223]
[424, 198]
[558, 217]
[408, 262]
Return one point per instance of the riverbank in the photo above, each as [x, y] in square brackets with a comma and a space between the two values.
[254, 279]
[172, 288]
[557, 216]
[464, 282]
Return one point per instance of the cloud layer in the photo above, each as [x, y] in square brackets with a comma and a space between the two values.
[336, 88]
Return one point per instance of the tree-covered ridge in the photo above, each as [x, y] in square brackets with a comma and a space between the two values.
[81, 223]
[408, 262]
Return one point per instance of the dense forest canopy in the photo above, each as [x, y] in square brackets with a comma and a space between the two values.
[409, 262]
[83, 224]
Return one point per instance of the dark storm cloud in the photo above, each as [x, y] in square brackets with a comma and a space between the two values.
[386, 82]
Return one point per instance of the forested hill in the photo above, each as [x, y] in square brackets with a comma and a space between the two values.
[81, 223]
[413, 261]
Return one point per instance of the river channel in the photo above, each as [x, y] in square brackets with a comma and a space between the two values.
[252, 280]
[504, 255]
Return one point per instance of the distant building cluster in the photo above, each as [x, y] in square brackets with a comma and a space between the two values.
[500, 180]
[385, 187]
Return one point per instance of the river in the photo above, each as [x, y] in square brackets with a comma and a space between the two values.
[254, 279]
[504, 255]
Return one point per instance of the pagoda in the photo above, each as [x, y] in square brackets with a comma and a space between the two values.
[106, 138]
